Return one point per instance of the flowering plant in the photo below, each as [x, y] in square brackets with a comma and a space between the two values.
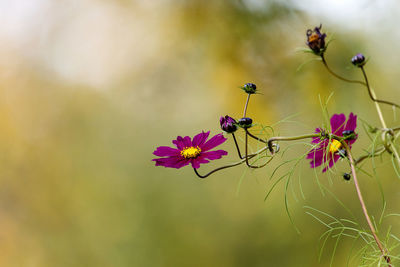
[328, 146]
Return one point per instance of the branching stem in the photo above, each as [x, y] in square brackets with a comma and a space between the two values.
[246, 150]
[372, 93]
[230, 165]
[337, 75]
[391, 148]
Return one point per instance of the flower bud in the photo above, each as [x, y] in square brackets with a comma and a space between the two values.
[342, 153]
[245, 122]
[349, 135]
[346, 176]
[250, 88]
[358, 60]
[228, 124]
[316, 40]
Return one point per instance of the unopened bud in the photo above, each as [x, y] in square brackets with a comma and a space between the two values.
[228, 124]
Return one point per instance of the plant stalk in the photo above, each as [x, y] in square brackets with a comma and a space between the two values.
[364, 208]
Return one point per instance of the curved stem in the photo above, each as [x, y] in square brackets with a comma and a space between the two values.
[338, 76]
[369, 155]
[255, 137]
[217, 169]
[247, 158]
[237, 146]
[230, 165]
[289, 138]
[372, 93]
[395, 129]
[372, 96]
[391, 148]
[363, 206]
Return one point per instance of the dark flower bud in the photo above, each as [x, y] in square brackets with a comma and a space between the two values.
[349, 135]
[358, 60]
[346, 176]
[316, 40]
[347, 132]
[245, 122]
[342, 153]
[228, 124]
[250, 88]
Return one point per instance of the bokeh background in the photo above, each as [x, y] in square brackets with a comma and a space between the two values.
[89, 88]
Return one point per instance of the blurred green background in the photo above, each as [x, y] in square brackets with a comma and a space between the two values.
[89, 89]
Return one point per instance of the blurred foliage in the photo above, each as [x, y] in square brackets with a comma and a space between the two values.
[91, 88]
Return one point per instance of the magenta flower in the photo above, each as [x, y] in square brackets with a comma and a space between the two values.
[331, 151]
[196, 151]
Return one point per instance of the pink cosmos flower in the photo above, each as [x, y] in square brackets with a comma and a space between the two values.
[195, 152]
[331, 151]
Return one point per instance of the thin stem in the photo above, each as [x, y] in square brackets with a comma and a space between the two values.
[289, 138]
[245, 106]
[237, 146]
[369, 155]
[372, 93]
[230, 165]
[247, 158]
[363, 206]
[338, 76]
[391, 147]
[395, 129]
[217, 169]
[255, 137]
[372, 96]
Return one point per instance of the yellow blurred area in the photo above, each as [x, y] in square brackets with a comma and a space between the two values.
[89, 89]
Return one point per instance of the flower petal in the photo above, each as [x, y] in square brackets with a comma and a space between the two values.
[317, 156]
[199, 139]
[350, 142]
[338, 123]
[351, 122]
[213, 142]
[172, 162]
[197, 161]
[212, 155]
[178, 142]
[187, 142]
[332, 161]
[316, 140]
[164, 151]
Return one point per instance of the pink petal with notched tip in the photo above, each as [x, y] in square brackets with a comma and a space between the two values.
[337, 124]
[199, 139]
[213, 142]
[172, 162]
[166, 151]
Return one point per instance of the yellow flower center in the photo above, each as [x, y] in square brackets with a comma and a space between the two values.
[335, 146]
[190, 152]
[312, 38]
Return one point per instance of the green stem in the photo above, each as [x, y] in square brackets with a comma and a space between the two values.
[288, 138]
[336, 75]
[255, 137]
[369, 155]
[245, 106]
[364, 207]
[391, 147]
[372, 93]
[247, 158]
